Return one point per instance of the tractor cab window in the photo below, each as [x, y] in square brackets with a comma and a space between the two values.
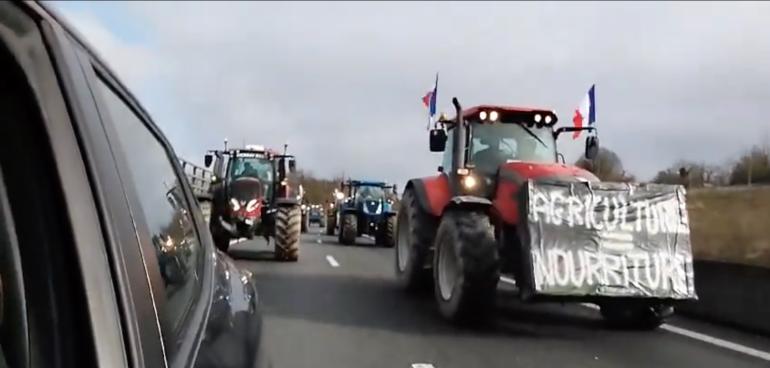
[254, 167]
[495, 144]
[369, 192]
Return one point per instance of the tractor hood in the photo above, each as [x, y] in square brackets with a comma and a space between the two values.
[521, 171]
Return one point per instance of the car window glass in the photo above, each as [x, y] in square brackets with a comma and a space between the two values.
[167, 215]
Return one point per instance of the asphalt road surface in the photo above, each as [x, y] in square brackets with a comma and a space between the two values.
[339, 307]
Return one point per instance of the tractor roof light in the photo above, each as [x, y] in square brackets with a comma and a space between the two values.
[483, 115]
[493, 115]
[538, 117]
[548, 119]
[463, 171]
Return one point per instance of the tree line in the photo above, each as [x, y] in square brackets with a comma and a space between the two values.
[751, 167]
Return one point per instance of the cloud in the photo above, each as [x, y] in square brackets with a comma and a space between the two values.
[341, 81]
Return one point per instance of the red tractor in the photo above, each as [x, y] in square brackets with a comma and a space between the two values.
[503, 204]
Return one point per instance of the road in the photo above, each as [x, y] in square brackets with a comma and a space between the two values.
[339, 307]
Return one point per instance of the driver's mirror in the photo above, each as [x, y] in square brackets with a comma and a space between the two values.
[440, 168]
[395, 189]
[207, 160]
[437, 140]
[292, 165]
[592, 147]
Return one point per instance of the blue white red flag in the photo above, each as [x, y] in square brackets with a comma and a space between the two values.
[585, 114]
[430, 99]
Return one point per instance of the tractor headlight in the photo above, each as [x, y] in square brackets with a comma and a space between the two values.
[252, 205]
[234, 204]
[303, 207]
[339, 195]
[331, 205]
[469, 182]
[493, 115]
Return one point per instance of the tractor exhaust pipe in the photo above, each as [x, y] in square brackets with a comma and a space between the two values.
[458, 138]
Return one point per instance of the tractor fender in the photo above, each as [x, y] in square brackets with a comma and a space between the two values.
[469, 202]
[286, 201]
[433, 193]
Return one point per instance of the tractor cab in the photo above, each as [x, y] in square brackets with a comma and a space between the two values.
[490, 136]
[489, 144]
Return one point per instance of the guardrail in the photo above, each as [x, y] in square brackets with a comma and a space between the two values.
[731, 294]
[199, 177]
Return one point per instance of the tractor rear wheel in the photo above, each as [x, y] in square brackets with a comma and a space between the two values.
[348, 229]
[634, 315]
[387, 232]
[465, 266]
[414, 233]
[287, 233]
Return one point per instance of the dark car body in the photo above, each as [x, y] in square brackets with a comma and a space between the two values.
[316, 216]
[104, 263]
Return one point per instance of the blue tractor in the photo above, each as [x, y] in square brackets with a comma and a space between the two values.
[366, 208]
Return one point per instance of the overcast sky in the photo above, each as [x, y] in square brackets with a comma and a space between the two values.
[342, 82]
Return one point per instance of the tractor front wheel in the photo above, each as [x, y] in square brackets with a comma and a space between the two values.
[331, 223]
[287, 233]
[349, 229]
[387, 232]
[305, 223]
[222, 242]
[465, 266]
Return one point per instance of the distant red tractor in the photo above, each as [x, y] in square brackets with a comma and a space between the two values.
[503, 204]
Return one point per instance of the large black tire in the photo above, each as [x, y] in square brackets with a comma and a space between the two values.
[222, 242]
[387, 233]
[305, 223]
[466, 266]
[287, 233]
[629, 315]
[348, 229]
[331, 223]
[415, 230]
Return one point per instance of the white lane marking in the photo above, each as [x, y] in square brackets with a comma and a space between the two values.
[319, 241]
[332, 261]
[718, 342]
[422, 365]
[507, 280]
[707, 339]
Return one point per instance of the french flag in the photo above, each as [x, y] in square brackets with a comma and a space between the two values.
[585, 114]
[430, 99]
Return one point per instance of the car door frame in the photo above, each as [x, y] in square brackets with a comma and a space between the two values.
[95, 69]
[121, 295]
